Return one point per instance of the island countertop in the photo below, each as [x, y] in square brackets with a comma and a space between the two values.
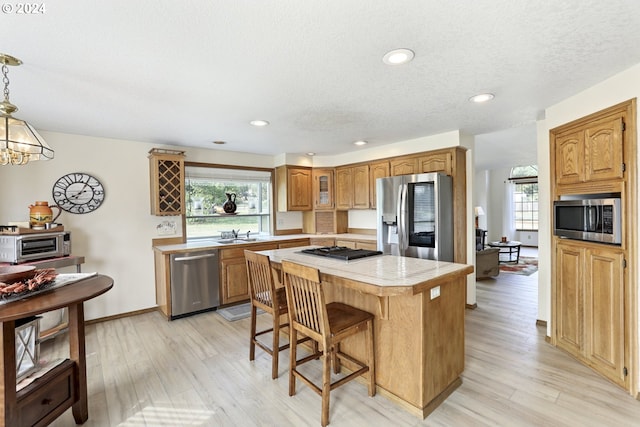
[381, 275]
[418, 306]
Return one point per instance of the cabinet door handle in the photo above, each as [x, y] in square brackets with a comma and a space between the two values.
[47, 401]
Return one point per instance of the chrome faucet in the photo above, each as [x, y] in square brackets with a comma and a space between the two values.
[248, 232]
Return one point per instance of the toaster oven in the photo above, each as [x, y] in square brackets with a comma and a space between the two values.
[22, 248]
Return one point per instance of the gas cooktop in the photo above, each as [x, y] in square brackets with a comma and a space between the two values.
[341, 252]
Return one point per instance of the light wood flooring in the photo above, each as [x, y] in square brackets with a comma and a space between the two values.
[145, 371]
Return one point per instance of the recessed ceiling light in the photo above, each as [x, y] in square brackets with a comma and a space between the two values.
[483, 97]
[310, 153]
[259, 123]
[398, 56]
[360, 142]
[219, 142]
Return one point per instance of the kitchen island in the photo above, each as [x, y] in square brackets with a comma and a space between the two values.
[419, 320]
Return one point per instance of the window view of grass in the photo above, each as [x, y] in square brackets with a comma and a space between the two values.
[207, 190]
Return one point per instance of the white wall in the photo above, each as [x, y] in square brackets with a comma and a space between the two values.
[116, 238]
[619, 88]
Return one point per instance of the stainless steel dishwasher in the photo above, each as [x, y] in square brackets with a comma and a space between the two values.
[194, 282]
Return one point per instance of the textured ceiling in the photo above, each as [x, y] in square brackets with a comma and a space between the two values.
[189, 73]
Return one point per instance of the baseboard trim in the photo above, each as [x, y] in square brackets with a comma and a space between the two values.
[121, 315]
[471, 306]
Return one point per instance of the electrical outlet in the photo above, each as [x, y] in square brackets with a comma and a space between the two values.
[435, 292]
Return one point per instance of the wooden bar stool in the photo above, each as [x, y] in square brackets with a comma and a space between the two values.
[328, 324]
[272, 300]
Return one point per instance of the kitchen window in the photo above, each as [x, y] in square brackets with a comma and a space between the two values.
[206, 189]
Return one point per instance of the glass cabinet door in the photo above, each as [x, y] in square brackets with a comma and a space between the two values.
[323, 189]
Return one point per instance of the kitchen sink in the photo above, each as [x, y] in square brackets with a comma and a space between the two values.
[243, 240]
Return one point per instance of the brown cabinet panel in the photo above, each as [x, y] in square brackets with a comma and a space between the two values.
[293, 244]
[570, 158]
[403, 166]
[439, 162]
[570, 296]
[233, 274]
[294, 188]
[376, 170]
[360, 188]
[322, 241]
[344, 188]
[604, 313]
[604, 150]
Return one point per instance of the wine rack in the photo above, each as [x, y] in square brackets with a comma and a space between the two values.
[167, 181]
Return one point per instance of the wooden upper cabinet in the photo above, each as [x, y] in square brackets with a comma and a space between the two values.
[323, 189]
[352, 187]
[376, 170]
[294, 188]
[166, 169]
[604, 147]
[590, 153]
[404, 166]
[344, 188]
[570, 158]
[438, 162]
[360, 188]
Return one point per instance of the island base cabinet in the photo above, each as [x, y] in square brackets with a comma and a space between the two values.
[419, 342]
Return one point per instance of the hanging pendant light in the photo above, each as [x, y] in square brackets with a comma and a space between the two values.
[19, 141]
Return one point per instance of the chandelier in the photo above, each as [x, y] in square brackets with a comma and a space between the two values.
[19, 141]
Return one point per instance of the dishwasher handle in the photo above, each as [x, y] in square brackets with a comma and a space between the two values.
[192, 258]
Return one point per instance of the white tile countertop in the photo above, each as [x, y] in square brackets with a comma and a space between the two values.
[379, 275]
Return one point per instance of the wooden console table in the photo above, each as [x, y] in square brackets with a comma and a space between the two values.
[65, 386]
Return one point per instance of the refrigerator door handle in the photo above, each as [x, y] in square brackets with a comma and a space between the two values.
[404, 241]
[399, 220]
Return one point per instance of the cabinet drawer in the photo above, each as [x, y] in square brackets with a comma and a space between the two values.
[322, 241]
[48, 397]
[239, 252]
[293, 244]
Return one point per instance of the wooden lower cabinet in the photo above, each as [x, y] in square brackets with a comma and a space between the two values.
[357, 244]
[322, 241]
[234, 285]
[590, 306]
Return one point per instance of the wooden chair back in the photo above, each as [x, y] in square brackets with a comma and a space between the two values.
[260, 277]
[306, 300]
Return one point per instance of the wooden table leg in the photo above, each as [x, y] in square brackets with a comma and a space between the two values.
[8, 400]
[77, 352]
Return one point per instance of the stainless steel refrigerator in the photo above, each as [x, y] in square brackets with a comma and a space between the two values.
[415, 216]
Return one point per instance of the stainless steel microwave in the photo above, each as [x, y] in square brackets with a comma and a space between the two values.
[15, 249]
[591, 219]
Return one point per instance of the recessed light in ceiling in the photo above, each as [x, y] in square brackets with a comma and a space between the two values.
[259, 123]
[219, 142]
[483, 97]
[398, 56]
[360, 142]
[310, 153]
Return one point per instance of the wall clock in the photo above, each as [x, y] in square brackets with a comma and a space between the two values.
[78, 193]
